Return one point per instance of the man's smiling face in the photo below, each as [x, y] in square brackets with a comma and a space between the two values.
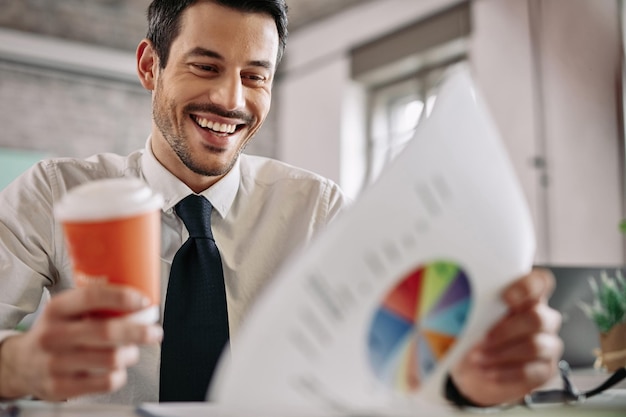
[214, 92]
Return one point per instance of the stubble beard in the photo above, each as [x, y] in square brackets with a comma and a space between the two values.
[179, 141]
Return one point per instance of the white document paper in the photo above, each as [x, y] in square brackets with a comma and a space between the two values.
[370, 317]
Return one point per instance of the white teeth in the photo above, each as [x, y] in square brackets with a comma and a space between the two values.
[218, 127]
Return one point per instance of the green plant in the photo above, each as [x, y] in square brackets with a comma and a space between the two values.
[609, 305]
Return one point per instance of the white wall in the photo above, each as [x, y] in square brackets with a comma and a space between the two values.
[310, 115]
[558, 102]
[504, 71]
[580, 63]
[548, 69]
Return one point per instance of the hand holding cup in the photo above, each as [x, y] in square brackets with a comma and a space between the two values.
[112, 229]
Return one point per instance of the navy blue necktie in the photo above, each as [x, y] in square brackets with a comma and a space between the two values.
[195, 323]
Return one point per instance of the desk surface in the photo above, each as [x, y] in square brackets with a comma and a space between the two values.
[611, 403]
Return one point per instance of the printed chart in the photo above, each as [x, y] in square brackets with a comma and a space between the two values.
[371, 316]
[417, 322]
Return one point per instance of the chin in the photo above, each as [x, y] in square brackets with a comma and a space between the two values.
[214, 169]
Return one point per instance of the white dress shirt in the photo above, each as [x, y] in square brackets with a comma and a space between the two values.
[263, 210]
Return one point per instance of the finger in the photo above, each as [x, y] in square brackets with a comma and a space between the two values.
[508, 384]
[532, 288]
[90, 298]
[501, 384]
[518, 325]
[61, 388]
[98, 333]
[542, 347]
[522, 377]
[93, 360]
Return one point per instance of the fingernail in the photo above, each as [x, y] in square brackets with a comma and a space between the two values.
[515, 296]
[141, 298]
[145, 301]
[137, 298]
[155, 333]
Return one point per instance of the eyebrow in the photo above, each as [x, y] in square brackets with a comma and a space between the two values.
[203, 52]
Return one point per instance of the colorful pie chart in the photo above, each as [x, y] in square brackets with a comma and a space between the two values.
[417, 322]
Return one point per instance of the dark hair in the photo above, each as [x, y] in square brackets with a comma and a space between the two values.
[164, 21]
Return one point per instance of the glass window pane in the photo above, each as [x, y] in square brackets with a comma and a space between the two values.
[396, 110]
[405, 114]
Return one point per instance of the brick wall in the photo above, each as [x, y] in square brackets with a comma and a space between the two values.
[118, 24]
[70, 115]
[66, 114]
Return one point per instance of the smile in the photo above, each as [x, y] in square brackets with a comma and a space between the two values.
[214, 126]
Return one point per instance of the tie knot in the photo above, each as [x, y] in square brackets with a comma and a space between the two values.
[195, 212]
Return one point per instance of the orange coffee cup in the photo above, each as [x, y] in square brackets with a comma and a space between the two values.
[112, 229]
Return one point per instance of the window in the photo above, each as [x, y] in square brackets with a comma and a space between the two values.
[396, 110]
[400, 72]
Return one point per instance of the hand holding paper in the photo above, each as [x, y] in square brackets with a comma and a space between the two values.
[373, 315]
[520, 352]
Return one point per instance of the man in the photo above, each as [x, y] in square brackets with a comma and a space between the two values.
[210, 65]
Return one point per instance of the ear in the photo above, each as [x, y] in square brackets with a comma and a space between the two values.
[147, 64]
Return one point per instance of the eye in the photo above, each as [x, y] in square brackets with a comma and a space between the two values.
[254, 79]
[204, 67]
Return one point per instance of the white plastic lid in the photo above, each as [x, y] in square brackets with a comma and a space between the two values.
[107, 199]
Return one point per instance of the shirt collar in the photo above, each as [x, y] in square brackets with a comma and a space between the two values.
[221, 194]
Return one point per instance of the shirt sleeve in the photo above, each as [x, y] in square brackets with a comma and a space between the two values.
[337, 201]
[27, 244]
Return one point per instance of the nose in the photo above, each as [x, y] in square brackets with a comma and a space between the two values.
[228, 92]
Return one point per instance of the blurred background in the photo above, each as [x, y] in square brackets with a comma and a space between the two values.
[357, 78]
